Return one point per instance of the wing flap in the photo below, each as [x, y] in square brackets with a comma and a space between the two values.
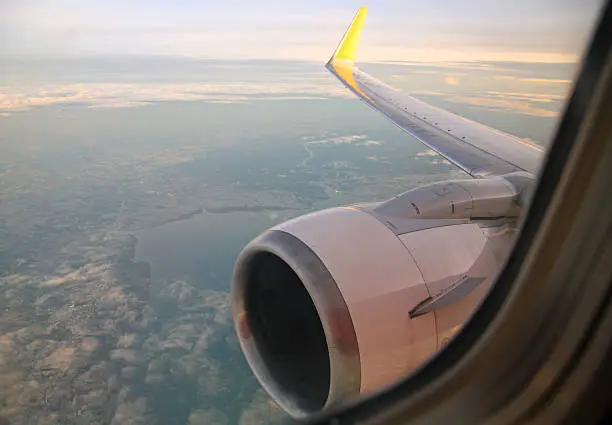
[475, 148]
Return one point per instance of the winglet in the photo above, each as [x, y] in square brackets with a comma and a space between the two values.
[348, 46]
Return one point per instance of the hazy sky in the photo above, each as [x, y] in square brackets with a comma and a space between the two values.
[423, 30]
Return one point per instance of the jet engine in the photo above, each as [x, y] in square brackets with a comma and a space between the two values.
[346, 301]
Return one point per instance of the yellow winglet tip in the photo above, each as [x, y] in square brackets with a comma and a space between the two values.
[348, 46]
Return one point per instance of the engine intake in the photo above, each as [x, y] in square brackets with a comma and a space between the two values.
[294, 326]
[321, 308]
[288, 331]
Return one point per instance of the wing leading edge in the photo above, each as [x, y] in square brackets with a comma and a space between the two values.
[479, 150]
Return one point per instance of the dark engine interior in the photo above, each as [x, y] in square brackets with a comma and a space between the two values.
[287, 330]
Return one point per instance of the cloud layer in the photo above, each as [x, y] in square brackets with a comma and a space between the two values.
[98, 95]
[444, 30]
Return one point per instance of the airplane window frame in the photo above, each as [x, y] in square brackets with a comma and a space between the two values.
[443, 390]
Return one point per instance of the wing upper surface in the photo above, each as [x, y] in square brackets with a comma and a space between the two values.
[477, 149]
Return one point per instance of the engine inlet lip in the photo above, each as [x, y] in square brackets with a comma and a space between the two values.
[344, 360]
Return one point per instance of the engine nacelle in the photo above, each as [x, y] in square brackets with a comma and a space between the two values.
[339, 303]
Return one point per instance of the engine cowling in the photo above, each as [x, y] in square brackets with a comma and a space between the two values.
[340, 303]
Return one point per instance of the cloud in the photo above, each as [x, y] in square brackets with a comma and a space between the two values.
[440, 161]
[539, 81]
[358, 139]
[460, 64]
[552, 81]
[432, 157]
[451, 80]
[118, 104]
[427, 153]
[506, 103]
[451, 30]
[121, 95]
[505, 77]
[340, 139]
[528, 97]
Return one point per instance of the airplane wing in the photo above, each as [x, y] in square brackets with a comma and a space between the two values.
[478, 150]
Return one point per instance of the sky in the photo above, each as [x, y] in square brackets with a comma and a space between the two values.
[414, 30]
